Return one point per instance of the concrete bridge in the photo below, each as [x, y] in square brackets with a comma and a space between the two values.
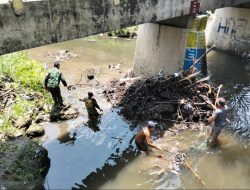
[30, 24]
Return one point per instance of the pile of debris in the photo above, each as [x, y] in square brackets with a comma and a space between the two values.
[6, 92]
[182, 97]
[62, 55]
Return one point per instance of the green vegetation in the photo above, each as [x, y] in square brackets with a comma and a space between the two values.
[24, 77]
[7, 127]
[20, 68]
[129, 32]
[22, 106]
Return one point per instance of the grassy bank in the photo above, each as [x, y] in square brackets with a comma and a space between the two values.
[21, 89]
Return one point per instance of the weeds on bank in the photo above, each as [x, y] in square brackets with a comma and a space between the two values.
[6, 127]
[128, 32]
[20, 70]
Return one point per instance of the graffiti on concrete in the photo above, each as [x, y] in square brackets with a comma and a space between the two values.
[234, 28]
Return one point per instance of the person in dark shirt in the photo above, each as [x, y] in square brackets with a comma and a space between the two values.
[219, 119]
[91, 105]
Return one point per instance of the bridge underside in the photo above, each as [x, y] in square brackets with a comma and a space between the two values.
[37, 23]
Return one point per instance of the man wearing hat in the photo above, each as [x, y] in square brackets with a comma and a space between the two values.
[52, 81]
[142, 139]
[219, 118]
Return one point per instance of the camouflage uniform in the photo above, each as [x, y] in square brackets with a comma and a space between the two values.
[52, 82]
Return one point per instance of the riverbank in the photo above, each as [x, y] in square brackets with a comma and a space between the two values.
[24, 103]
[25, 107]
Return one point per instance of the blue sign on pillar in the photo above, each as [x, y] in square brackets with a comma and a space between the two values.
[193, 54]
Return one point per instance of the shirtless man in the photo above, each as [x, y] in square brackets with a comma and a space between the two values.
[142, 139]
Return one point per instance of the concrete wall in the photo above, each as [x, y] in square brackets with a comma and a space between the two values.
[51, 21]
[159, 47]
[230, 30]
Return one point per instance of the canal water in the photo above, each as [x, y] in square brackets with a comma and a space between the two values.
[105, 157]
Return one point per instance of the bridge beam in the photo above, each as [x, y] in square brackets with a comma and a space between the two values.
[50, 21]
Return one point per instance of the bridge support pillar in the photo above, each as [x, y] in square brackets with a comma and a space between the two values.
[159, 47]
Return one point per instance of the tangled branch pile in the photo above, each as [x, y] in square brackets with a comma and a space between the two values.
[184, 97]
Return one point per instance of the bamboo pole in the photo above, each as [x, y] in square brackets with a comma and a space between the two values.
[202, 56]
[194, 173]
[218, 93]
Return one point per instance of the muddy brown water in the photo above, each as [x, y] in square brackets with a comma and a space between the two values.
[106, 158]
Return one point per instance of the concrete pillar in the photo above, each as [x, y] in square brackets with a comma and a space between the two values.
[159, 47]
[230, 30]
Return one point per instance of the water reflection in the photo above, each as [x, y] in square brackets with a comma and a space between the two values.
[66, 137]
[114, 164]
[93, 123]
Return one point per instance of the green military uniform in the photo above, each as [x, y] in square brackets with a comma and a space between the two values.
[52, 82]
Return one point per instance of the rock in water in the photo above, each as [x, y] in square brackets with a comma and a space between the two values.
[35, 131]
[24, 164]
[65, 113]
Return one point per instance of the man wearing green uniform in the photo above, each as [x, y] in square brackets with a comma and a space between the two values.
[52, 81]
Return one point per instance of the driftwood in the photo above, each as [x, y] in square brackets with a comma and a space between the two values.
[187, 165]
[190, 76]
[218, 93]
[8, 91]
[197, 61]
[164, 98]
[182, 97]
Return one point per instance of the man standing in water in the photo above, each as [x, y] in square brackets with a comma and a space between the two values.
[142, 139]
[52, 82]
[91, 105]
[219, 118]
